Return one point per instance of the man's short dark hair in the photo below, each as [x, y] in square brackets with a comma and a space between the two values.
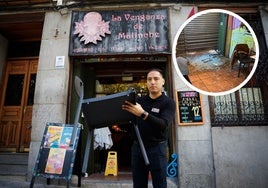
[156, 69]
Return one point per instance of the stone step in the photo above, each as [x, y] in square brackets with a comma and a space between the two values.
[13, 164]
[87, 182]
[122, 180]
[13, 169]
[14, 158]
[120, 184]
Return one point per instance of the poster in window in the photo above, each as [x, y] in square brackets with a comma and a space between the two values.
[55, 161]
[189, 108]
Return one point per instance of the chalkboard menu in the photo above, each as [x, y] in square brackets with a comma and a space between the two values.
[189, 108]
[57, 152]
[119, 32]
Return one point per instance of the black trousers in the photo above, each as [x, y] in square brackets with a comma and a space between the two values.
[158, 164]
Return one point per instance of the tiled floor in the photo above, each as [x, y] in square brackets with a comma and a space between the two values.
[217, 79]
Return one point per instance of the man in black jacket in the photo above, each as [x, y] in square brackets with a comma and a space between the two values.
[155, 113]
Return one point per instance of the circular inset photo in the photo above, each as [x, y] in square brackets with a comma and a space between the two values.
[215, 52]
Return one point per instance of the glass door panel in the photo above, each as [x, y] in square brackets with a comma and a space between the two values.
[14, 90]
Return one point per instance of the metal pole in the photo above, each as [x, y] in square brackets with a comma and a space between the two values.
[143, 151]
[79, 87]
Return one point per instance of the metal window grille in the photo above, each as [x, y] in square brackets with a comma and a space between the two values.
[245, 107]
[225, 108]
[251, 105]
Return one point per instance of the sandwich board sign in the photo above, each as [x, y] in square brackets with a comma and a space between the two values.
[57, 152]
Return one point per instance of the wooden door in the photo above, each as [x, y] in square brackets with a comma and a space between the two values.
[16, 105]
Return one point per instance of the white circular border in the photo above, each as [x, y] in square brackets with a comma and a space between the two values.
[175, 44]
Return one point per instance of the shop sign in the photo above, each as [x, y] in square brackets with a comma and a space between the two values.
[119, 32]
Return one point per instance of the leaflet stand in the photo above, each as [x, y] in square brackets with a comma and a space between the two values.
[58, 148]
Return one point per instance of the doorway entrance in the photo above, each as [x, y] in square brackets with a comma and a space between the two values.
[17, 98]
[104, 76]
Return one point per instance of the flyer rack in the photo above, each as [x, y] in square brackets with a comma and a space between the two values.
[59, 147]
[57, 154]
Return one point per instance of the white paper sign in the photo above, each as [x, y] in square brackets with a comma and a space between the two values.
[60, 61]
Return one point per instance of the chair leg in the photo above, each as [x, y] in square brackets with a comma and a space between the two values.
[239, 69]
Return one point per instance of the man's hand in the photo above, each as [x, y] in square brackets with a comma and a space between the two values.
[135, 109]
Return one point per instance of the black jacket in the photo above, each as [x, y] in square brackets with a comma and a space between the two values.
[161, 113]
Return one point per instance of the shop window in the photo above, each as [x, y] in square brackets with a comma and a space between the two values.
[251, 104]
[242, 108]
[225, 108]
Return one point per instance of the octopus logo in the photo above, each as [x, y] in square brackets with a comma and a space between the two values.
[92, 28]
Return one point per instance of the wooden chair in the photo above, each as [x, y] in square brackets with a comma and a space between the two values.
[241, 51]
[246, 64]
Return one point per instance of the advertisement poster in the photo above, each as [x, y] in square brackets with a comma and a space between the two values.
[66, 137]
[53, 136]
[58, 137]
[55, 161]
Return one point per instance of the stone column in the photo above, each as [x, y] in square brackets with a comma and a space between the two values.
[194, 145]
[51, 92]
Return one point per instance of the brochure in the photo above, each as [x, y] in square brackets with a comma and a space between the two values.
[55, 161]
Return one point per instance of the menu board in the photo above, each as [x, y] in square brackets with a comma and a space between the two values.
[189, 108]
